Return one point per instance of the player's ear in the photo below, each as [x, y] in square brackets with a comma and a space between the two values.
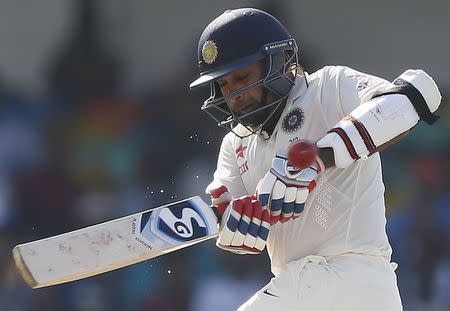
[264, 66]
[290, 72]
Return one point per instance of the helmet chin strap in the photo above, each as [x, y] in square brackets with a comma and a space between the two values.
[272, 120]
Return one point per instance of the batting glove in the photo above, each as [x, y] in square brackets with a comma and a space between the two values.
[285, 188]
[244, 227]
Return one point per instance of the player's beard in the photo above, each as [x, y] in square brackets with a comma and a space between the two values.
[255, 119]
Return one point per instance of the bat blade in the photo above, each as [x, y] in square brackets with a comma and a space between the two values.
[115, 244]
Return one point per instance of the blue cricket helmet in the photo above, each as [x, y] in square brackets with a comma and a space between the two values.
[239, 38]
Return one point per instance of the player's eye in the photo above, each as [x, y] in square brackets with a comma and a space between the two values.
[221, 83]
[242, 77]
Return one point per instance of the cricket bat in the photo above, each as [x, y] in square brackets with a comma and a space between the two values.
[125, 241]
[115, 244]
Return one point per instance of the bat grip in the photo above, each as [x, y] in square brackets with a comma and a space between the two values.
[216, 212]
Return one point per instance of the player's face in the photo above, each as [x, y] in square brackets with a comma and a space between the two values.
[250, 99]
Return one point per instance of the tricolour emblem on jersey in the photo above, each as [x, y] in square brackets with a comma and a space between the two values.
[209, 52]
[178, 223]
[293, 120]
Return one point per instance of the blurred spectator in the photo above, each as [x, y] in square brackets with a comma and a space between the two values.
[420, 233]
[85, 68]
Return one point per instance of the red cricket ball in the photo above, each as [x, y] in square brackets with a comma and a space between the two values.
[302, 154]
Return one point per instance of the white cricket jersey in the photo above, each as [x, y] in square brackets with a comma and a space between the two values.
[345, 212]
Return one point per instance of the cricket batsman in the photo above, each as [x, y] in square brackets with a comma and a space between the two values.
[324, 225]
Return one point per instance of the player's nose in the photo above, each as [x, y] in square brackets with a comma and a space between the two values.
[234, 101]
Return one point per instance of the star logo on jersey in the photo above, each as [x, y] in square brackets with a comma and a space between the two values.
[240, 151]
[293, 121]
[243, 164]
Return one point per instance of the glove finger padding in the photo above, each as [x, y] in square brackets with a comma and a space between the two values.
[245, 227]
[263, 232]
[230, 222]
[301, 196]
[246, 210]
[264, 188]
[288, 204]
[253, 228]
[276, 198]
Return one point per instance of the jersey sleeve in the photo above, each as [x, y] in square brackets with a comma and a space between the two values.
[380, 111]
[227, 171]
[356, 88]
[343, 89]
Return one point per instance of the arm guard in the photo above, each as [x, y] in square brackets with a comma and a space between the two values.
[411, 97]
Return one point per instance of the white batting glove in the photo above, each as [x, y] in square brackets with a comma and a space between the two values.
[284, 189]
[244, 227]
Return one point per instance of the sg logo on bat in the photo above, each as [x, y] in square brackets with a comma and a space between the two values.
[179, 223]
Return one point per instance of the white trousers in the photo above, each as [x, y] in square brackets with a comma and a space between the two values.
[350, 282]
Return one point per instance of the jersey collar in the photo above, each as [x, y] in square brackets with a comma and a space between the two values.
[297, 92]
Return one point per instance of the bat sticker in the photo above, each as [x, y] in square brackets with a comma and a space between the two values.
[178, 223]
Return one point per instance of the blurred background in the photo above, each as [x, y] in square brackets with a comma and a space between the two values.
[97, 122]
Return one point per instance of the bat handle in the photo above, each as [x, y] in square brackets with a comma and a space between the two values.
[216, 212]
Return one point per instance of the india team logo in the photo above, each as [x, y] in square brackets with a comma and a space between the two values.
[293, 120]
[209, 52]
